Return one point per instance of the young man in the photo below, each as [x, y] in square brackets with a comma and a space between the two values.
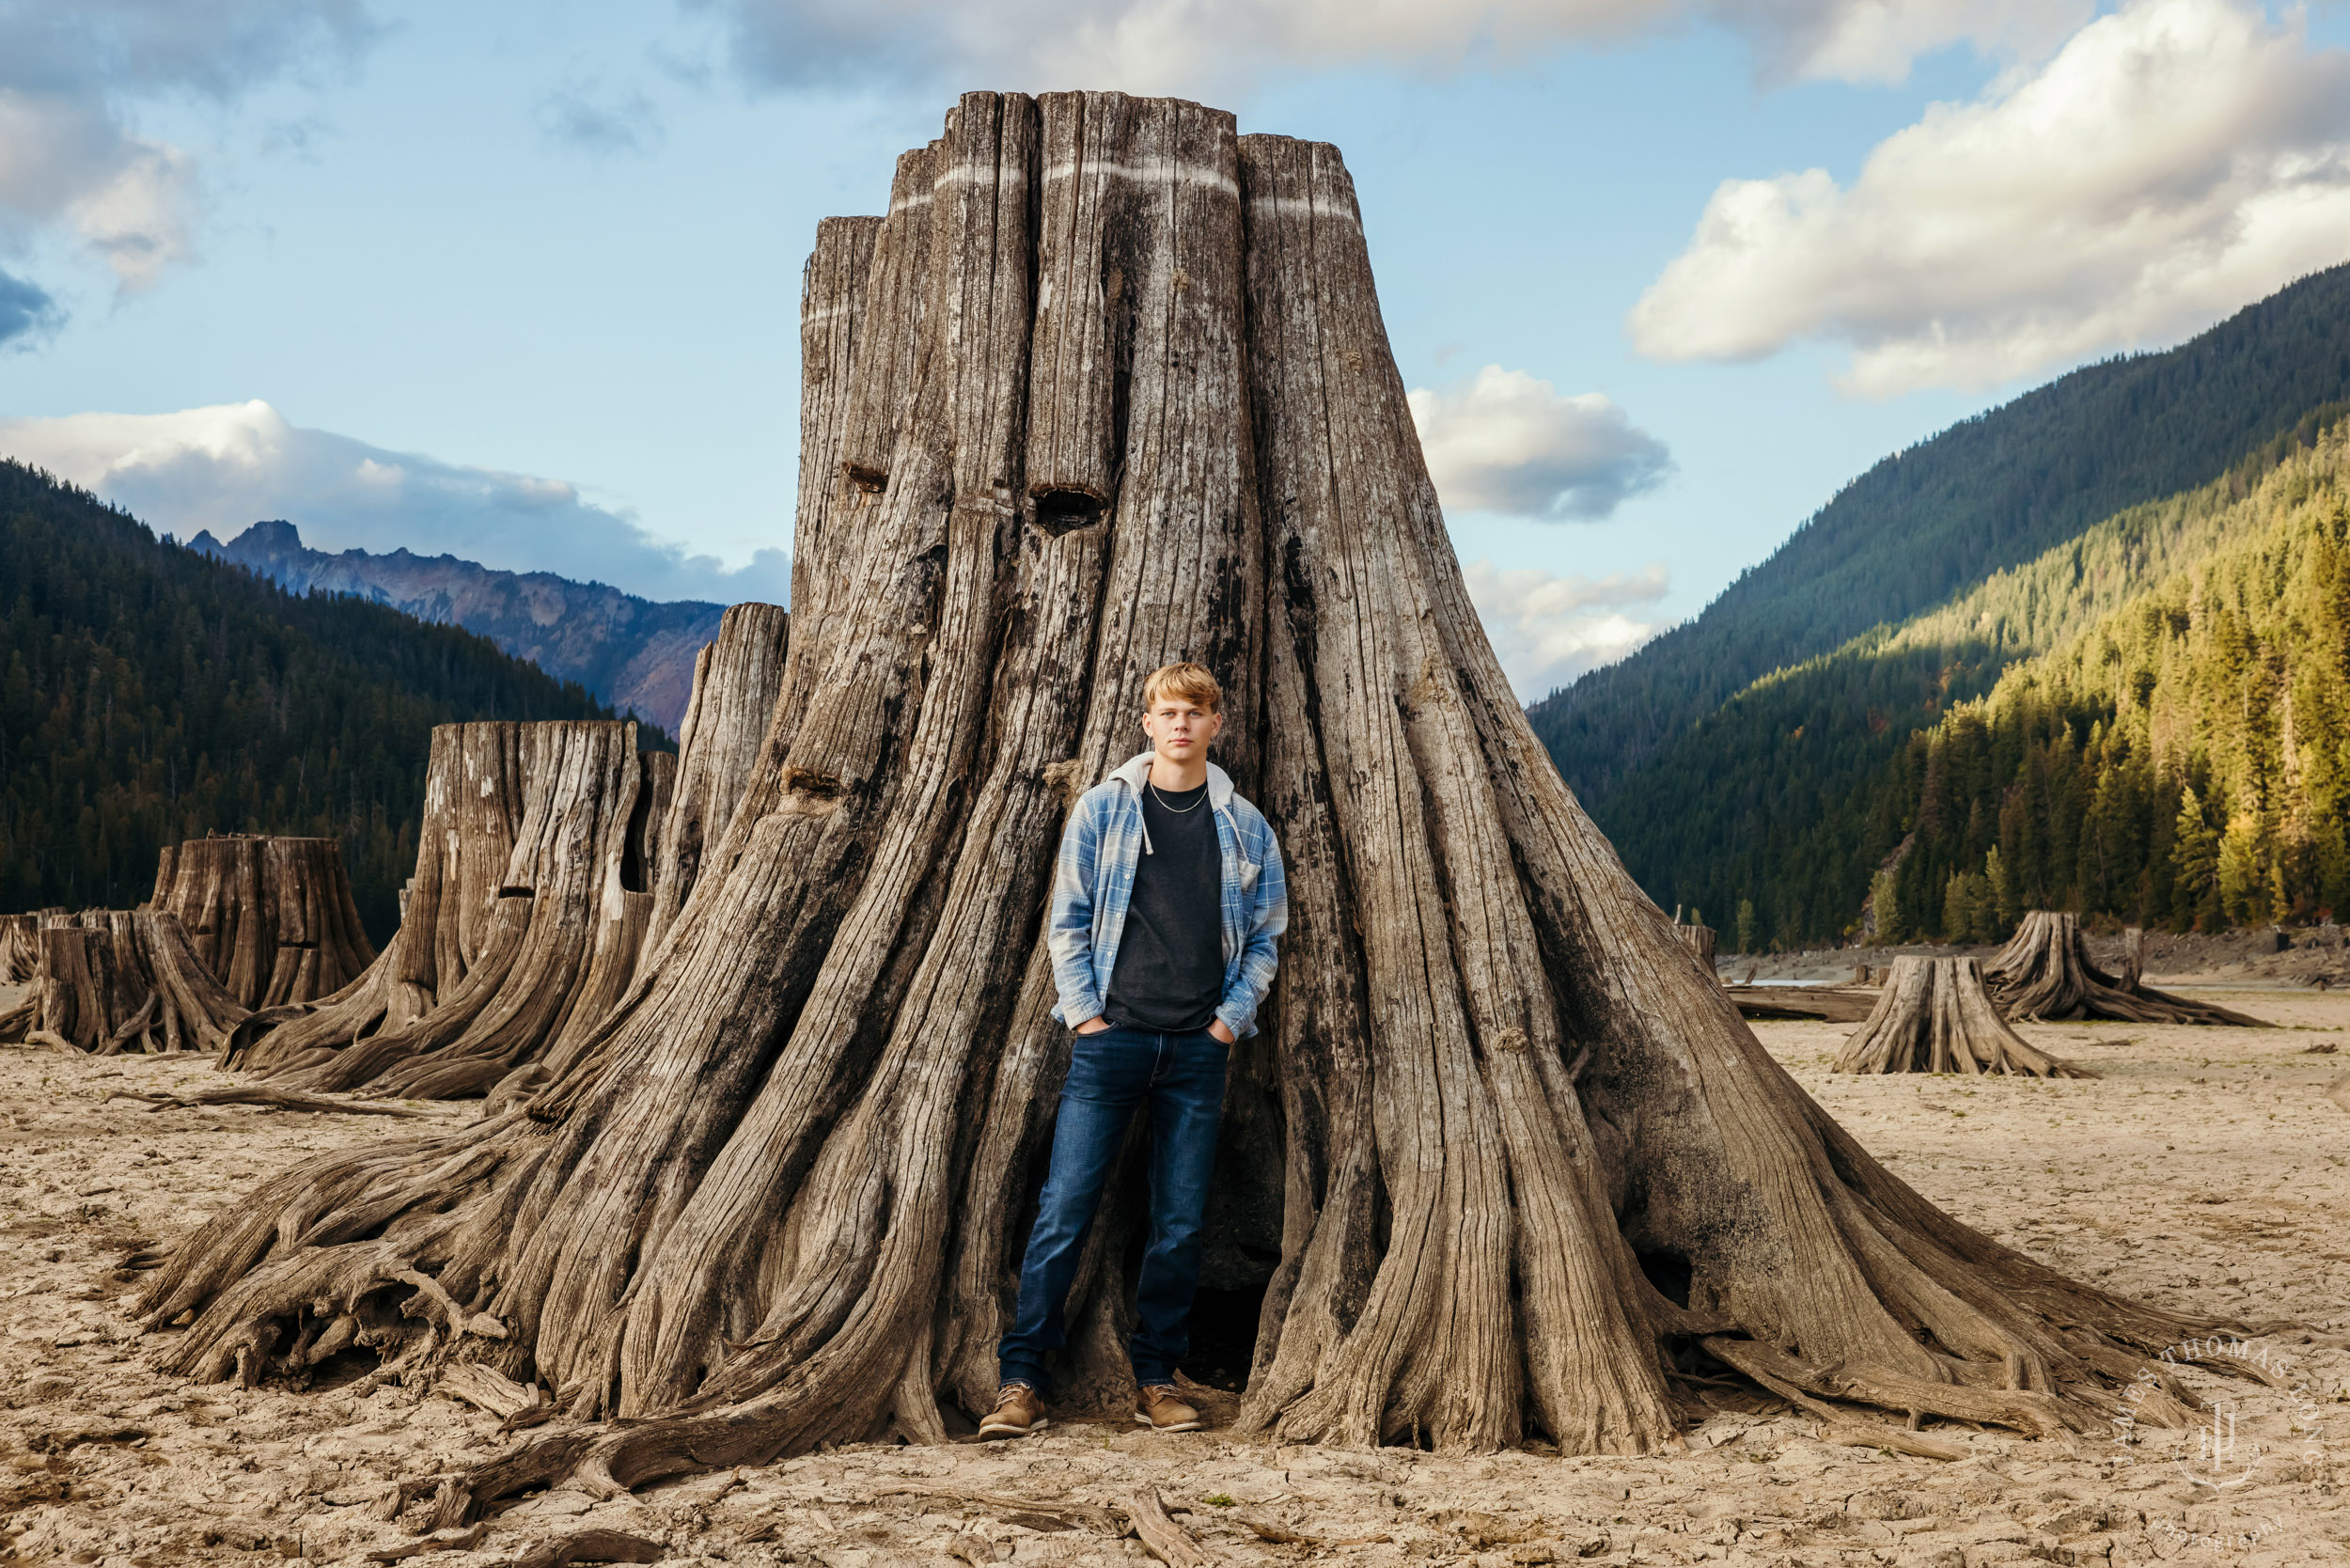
[1168, 900]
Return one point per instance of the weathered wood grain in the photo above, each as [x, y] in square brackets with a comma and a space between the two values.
[737, 680]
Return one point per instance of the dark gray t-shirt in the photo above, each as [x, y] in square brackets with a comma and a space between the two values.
[1169, 974]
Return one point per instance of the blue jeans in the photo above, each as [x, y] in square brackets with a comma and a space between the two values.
[1182, 1077]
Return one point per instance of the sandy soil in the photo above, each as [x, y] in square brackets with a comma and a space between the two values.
[2204, 1170]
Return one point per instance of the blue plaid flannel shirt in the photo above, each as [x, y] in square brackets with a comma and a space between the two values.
[1093, 882]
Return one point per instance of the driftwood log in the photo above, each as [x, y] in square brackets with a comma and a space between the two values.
[1108, 386]
[272, 918]
[1829, 1004]
[2046, 972]
[1934, 1016]
[107, 981]
[521, 925]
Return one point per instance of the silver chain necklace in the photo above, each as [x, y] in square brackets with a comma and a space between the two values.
[1174, 810]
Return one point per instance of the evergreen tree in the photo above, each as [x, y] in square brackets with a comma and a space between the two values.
[2195, 861]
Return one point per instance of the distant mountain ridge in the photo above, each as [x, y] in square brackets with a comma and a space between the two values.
[634, 653]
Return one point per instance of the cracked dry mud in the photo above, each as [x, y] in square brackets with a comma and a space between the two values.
[2204, 1169]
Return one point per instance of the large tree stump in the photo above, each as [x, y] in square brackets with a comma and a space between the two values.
[1106, 387]
[272, 918]
[112, 979]
[522, 923]
[2046, 972]
[1934, 1016]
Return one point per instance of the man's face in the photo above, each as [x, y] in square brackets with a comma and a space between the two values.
[1180, 729]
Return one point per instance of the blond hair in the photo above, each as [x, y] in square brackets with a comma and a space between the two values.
[1190, 682]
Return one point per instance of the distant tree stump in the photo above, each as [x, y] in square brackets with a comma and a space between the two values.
[2046, 972]
[270, 917]
[113, 980]
[471, 811]
[20, 949]
[521, 925]
[1934, 1016]
[1698, 940]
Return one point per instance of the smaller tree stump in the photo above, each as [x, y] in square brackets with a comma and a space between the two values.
[272, 918]
[20, 949]
[522, 926]
[2044, 972]
[1698, 940]
[112, 979]
[1934, 1016]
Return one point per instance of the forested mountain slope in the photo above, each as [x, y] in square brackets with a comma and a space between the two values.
[637, 655]
[148, 694]
[2184, 759]
[1990, 493]
[2151, 721]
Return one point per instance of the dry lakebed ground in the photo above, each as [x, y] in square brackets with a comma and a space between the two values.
[2204, 1169]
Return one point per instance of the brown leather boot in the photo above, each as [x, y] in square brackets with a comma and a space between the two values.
[1017, 1413]
[1162, 1409]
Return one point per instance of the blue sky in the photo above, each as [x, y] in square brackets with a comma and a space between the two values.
[521, 280]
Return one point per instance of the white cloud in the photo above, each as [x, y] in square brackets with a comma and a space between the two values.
[72, 78]
[1547, 630]
[1508, 443]
[226, 467]
[2175, 161]
[66, 164]
[1201, 46]
[1875, 40]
